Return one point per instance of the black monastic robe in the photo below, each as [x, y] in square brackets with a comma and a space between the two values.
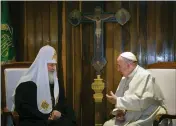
[29, 115]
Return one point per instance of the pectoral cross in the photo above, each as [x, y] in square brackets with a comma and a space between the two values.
[98, 18]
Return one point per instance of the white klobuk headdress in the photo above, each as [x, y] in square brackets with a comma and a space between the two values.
[38, 73]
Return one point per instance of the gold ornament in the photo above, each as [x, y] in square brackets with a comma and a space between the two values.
[54, 56]
[44, 105]
[98, 86]
[4, 27]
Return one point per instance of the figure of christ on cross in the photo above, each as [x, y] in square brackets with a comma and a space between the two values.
[98, 61]
[75, 17]
[98, 18]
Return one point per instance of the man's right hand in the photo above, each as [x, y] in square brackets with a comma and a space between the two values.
[49, 118]
[55, 115]
[112, 97]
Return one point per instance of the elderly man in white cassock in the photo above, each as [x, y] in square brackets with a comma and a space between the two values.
[138, 98]
[39, 98]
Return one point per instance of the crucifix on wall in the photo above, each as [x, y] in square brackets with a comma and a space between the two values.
[98, 18]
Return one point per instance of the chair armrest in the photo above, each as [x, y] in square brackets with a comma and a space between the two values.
[6, 112]
[160, 117]
[14, 115]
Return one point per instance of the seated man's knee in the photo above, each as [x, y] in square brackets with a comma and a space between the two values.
[110, 122]
[106, 123]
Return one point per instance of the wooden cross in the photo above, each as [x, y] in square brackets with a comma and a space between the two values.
[98, 18]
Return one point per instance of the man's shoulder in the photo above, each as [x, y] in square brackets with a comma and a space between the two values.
[27, 84]
[142, 72]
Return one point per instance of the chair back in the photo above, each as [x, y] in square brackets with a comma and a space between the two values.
[12, 76]
[165, 77]
[10, 73]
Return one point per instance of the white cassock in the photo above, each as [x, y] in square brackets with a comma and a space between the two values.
[140, 96]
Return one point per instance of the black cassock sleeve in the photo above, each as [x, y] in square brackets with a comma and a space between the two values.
[26, 102]
[67, 112]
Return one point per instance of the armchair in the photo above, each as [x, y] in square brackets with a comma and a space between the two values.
[165, 77]
[10, 75]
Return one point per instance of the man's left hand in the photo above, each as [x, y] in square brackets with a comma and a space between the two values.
[112, 97]
[55, 115]
[120, 116]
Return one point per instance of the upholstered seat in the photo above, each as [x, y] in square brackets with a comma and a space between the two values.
[165, 77]
[10, 74]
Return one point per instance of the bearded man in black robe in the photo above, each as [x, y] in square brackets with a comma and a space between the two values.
[39, 98]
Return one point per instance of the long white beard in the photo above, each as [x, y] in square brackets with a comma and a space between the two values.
[51, 77]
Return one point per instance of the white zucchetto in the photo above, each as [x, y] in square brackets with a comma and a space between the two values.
[129, 55]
